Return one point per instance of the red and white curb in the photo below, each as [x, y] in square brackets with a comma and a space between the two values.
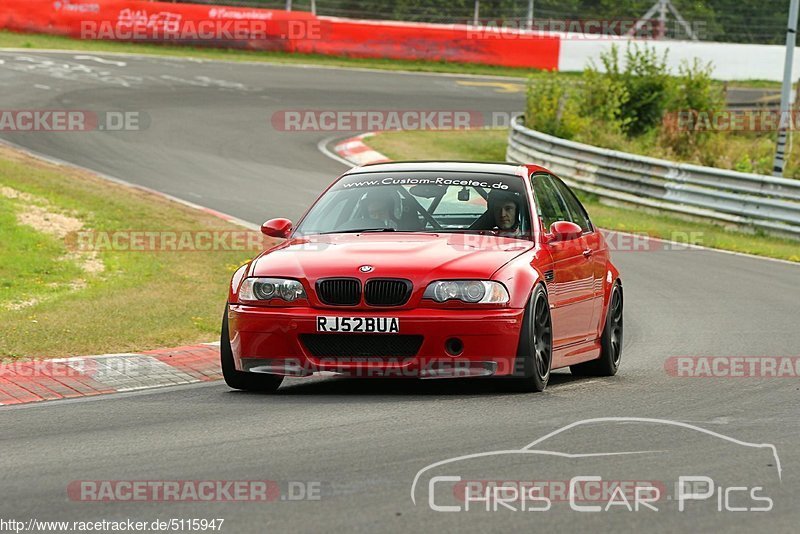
[357, 152]
[27, 381]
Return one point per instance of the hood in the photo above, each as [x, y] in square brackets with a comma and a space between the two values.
[415, 256]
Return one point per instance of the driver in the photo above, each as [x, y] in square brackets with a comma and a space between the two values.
[378, 208]
[504, 207]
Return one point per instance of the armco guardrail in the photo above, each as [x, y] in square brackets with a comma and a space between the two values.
[764, 202]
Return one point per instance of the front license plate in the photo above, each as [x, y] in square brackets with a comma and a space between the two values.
[371, 325]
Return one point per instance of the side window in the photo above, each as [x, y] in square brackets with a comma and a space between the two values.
[578, 214]
[549, 204]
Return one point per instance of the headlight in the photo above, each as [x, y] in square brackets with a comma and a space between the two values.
[256, 289]
[471, 291]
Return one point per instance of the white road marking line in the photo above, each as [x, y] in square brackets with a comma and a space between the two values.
[322, 146]
[272, 64]
[107, 396]
[101, 60]
[572, 385]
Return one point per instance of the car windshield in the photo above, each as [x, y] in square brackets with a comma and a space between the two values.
[422, 202]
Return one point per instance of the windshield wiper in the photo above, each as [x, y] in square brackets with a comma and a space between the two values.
[361, 231]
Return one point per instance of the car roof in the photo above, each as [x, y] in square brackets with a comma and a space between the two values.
[512, 169]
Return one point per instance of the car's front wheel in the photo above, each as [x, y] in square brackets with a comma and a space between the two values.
[535, 352]
[237, 379]
[610, 341]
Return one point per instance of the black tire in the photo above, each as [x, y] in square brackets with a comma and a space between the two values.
[237, 379]
[535, 350]
[610, 341]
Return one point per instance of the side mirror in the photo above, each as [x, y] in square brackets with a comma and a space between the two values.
[564, 231]
[280, 228]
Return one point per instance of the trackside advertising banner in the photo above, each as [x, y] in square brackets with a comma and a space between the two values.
[267, 29]
[126, 20]
[439, 42]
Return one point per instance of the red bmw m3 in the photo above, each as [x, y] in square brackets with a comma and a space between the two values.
[428, 270]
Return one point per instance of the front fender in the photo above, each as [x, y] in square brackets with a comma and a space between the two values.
[522, 274]
[236, 281]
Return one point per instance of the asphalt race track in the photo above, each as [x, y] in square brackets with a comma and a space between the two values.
[209, 140]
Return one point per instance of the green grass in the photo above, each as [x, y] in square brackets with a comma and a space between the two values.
[141, 300]
[467, 145]
[490, 145]
[33, 254]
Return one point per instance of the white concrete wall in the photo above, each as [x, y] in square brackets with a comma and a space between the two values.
[731, 61]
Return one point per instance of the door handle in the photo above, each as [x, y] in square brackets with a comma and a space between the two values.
[587, 252]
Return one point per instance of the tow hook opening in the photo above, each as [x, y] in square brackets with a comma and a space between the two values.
[454, 346]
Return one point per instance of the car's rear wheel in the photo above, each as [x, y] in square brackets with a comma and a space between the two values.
[610, 341]
[535, 351]
[237, 379]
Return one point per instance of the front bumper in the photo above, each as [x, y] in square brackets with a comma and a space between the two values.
[270, 340]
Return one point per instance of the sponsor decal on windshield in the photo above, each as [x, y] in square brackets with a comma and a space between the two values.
[429, 181]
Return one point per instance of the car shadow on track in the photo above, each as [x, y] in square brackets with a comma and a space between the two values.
[406, 387]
